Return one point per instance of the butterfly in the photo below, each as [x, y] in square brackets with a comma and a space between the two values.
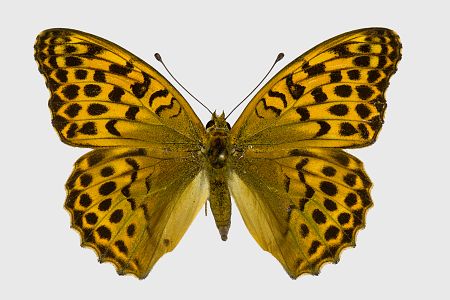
[154, 165]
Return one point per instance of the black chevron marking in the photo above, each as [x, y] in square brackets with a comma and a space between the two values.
[268, 107]
[280, 96]
[161, 108]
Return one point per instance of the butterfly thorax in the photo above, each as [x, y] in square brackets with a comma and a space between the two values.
[218, 141]
[217, 150]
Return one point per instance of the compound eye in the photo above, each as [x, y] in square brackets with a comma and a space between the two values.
[209, 124]
[228, 125]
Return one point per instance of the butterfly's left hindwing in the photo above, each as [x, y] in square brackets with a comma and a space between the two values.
[132, 205]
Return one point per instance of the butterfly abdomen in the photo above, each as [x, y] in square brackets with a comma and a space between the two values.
[219, 198]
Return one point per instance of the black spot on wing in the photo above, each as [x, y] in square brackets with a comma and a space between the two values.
[93, 50]
[121, 70]
[70, 91]
[71, 132]
[287, 182]
[61, 75]
[104, 232]
[329, 171]
[296, 90]
[362, 61]
[81, 74]
[315, 70]
[88, 128]
[72, 110]
[328, 188]
[105, 205]
[94, 159]
[92, 90]
[319, 216]
[364, 132]
[96, 109]
[139, 89]
[318, 95]
[111, 129]
[131, 112]
[338, 110]
[303, 112]
[59, 122]
[99, 76]
[362, 110]
[364, 92]
[335, 76]
[354, 74]
[107, 188]
[341, 50]
[343, 90]
[107, 171]
[347, 129]
[351, 199]
[73, 61]
[331, 233]
[324, 128]
[116, 94]
[373, 75]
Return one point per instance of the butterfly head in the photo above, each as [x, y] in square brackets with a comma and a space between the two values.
[218, 123]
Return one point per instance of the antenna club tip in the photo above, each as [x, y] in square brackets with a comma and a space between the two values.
[158, 57]
[280, 56]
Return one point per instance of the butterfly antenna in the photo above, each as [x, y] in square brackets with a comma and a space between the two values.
[279, 57]
[159, 58]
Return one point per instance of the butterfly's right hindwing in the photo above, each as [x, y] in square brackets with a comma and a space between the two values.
[303, 206]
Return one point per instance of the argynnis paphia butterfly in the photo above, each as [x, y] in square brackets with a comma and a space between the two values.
[154, 165]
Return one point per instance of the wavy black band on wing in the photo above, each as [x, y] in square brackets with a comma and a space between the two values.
[161, 108]
[268, 107]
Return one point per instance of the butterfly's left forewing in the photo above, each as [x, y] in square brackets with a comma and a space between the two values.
[134, 198]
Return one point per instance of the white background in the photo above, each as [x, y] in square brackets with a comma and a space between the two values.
[220, 50]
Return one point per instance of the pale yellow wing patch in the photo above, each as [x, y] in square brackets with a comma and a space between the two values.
[303, 206]
[102, 95]
[134, 205]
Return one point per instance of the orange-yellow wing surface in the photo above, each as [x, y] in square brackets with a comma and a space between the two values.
[303, 198]
[133, 198]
